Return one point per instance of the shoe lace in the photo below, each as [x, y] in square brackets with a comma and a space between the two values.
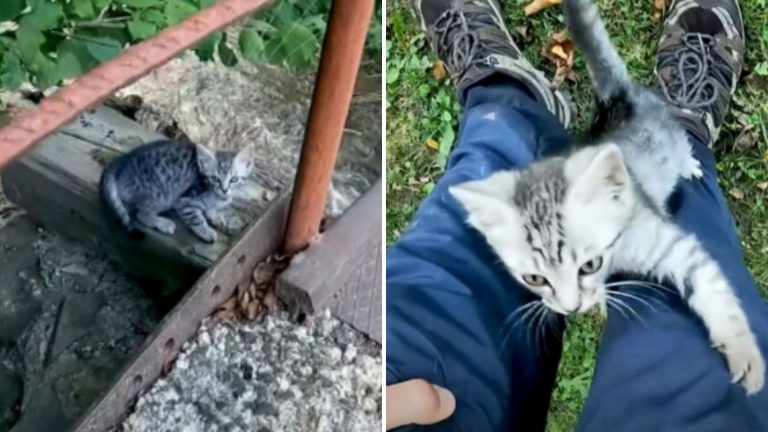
[458, 43]
[697, 71]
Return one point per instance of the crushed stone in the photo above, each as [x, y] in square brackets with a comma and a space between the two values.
[276, 375]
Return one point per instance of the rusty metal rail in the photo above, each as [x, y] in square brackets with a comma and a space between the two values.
[65, 105]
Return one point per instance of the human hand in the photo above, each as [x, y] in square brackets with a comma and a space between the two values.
[418, 402]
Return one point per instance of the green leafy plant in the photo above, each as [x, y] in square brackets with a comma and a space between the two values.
[291, 32]
[47, 41]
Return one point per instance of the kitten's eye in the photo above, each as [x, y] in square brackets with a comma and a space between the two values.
[235, 179]
[535, 280]
[591, 266]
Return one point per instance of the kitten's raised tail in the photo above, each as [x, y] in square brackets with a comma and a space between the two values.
[608, 71]
[111, 198]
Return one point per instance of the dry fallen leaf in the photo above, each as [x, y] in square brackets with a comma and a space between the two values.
[765, 156]
[658, 9]
[253, 298]
[746, 139]
[271, 303]
[438, 70]
[762, 186]
[222, 316]
[736, 193]
[226, 311]
[251, 311]
[742, 118]
[537, 5]
[433, 144]
[522, 31]
[560, 51]
[560, 37]
[263, 273]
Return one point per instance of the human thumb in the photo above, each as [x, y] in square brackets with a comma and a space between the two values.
[418, 402]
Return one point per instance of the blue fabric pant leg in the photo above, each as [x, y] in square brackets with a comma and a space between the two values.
[662, 375]
[448, 297]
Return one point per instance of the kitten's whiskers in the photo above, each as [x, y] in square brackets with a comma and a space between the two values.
[646, 284]
[635, 297]
[529, 309]
[616, 301]
[540, 329]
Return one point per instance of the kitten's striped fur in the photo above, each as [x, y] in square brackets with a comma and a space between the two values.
[165, 175]
[565, 224]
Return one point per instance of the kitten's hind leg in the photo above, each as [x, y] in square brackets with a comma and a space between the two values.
[153, 220]
[192, 213]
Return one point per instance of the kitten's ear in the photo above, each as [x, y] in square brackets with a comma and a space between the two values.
[604, 174]
[243, 162]
[488, 201]
[206, 160]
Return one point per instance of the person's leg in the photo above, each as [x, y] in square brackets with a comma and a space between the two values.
[448, 296]
[660, 373]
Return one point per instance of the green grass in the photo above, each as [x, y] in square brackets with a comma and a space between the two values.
[420, 108]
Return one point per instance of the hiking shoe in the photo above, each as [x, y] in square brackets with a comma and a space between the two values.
[701, 54]
[472, 41]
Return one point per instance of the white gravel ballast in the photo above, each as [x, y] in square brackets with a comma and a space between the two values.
[270, 376]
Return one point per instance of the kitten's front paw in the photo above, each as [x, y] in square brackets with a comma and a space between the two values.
[205, 233]
[218, 220]
[746, 362]
[166, 226]
[694, 169]
[228, 223]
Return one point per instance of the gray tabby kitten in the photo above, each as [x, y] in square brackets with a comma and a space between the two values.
[563, 225]
[166, 175]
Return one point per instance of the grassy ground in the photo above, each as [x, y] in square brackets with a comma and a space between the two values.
[422, 115]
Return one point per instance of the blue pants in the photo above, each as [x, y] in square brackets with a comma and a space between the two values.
[448, 298]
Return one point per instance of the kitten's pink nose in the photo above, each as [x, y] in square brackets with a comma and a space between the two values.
[570, 303]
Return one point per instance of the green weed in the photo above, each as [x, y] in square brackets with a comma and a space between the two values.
[48, 41]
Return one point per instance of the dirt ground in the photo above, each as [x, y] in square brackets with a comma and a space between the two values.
[69, 319]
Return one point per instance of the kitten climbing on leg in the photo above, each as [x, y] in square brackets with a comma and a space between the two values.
[565, 224]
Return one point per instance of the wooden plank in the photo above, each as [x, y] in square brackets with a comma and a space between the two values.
[57, 184]
[342, 271]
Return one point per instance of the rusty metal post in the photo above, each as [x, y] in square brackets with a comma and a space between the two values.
[339, 63]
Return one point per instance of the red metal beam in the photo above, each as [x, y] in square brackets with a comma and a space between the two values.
[342, 52]
[65, 105]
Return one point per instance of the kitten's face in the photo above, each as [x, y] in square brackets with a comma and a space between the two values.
[554, 225]
[224, 171]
